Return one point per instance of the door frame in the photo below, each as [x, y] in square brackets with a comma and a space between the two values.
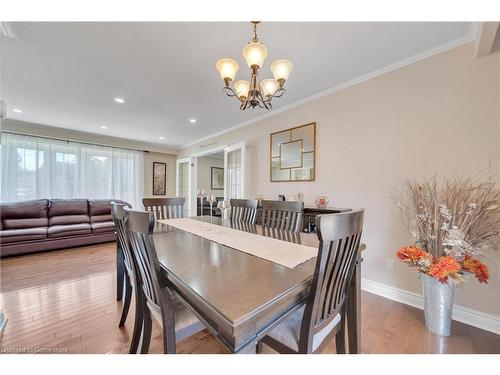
[226, 148]
[242, 146]
[191, 203]
[194, 160]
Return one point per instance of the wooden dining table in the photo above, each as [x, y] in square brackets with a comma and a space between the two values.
[240, 297]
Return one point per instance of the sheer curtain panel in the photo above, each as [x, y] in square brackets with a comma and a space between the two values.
[34, 167]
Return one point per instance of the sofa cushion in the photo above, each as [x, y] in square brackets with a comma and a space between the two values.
[60, 207]
[24, 234]
[100, 207]
[25, 223]
[68, 230]
[106, 226]
[24, 214]
[101, 218]
[68, 219]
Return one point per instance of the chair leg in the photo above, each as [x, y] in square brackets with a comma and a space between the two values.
[126, 302]
[120, 272]
[259, 347]
[146, 331]
[168, 324]
[138, 322]
[340, 337]
[169, 341]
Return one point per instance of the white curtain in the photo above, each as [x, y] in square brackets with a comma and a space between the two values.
[34, 167]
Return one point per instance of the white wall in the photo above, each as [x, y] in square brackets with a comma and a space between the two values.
[204, 174]
[439, 115]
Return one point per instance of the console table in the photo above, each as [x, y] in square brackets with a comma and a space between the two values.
[310, 213]
[309, 217]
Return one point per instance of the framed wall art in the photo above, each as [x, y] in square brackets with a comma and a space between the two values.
[293, 154]
[217, 178]
[159, 178]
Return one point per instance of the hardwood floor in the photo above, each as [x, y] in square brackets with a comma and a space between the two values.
[64, 302]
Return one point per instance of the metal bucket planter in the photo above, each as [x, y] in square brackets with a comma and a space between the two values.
[438, 304]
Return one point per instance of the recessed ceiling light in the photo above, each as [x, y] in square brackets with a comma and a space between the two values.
[192, 120]
[162, 138]
[17, 110]
[119, 100]
[104, 127]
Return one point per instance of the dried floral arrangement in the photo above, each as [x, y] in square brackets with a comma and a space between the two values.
[453, 221]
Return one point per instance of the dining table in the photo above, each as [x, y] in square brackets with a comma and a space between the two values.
[238, 296]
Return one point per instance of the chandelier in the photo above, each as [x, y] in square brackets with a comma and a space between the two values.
[254, 93]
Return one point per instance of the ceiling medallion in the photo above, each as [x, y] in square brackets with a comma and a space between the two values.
[254, 93]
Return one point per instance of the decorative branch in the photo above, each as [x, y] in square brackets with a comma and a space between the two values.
[459, 216]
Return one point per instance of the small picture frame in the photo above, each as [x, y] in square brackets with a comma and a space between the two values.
[159, 178]
[217, 178]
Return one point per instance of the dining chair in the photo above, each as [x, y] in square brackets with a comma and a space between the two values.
[165, 208]
[243, 210]
[159, 302]
[309, 328]
[283, 235]
[282, 215]
[118, 214]
[243, 226]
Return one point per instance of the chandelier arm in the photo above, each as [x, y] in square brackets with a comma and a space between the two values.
[244, 104]
[230, 92]
[278, 94]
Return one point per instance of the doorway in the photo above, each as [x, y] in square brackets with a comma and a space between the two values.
[210, 179]
[219, 171]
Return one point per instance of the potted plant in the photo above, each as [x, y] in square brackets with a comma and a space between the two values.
[453, 221]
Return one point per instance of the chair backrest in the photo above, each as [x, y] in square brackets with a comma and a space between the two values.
[243, 226]
[140, 226]
[165, 208]
[118, 214]
[283, 235]
[339, 236]
[282, 215]
[243, 210]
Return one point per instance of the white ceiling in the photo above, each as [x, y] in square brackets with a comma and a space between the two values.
[67, 74]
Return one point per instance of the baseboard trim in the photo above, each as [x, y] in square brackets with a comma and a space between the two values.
[462, 314]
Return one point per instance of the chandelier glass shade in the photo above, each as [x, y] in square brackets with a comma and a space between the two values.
[255, 92]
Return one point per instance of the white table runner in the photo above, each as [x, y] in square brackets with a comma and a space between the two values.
[287, 254]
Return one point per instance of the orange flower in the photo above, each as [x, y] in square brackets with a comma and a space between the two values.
[444, 267]
[477, 268]
[413, 254]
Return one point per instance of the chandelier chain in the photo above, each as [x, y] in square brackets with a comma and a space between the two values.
[255, 23]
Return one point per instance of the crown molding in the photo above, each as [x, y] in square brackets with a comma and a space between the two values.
[71, 135]
[473, 34]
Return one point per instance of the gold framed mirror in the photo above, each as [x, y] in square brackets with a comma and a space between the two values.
[293, 154]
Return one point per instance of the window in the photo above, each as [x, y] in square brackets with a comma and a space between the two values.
[234, 174]
[28, 161]
[183, 184]
[33, 167]
[65, 183]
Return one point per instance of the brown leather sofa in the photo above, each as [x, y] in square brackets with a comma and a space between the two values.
[44, 224]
